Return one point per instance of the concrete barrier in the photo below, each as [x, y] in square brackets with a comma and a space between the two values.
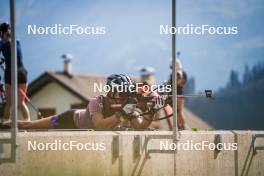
[129, 153]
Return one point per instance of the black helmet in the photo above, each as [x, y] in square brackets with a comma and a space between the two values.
[116, 80]
[4, 27]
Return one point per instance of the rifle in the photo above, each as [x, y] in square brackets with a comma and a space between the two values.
[145, 103]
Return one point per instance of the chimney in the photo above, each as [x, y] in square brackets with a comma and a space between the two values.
[67, 64]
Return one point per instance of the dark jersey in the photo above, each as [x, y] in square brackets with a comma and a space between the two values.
[179, 88]
[5, 48]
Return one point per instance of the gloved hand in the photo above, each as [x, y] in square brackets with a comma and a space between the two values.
[159, 102]
[129, 111]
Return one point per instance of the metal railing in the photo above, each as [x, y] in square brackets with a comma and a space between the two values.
[175, 135]
[174, 74]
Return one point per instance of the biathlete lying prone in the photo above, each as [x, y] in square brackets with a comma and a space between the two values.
[97, 115]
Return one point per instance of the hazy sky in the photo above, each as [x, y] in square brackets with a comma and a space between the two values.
[132, 36]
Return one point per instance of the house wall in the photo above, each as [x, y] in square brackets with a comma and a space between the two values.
[53, 96]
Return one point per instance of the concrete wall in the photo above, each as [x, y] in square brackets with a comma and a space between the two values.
[108, 162]
[53, 96]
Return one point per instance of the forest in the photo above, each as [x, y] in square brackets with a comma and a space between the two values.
[239, 105]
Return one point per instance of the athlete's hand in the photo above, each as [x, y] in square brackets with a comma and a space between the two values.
[129, 111]
[159, 102]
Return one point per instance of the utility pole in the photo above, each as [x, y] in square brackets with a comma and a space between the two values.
[13, 80]
[174, 74]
